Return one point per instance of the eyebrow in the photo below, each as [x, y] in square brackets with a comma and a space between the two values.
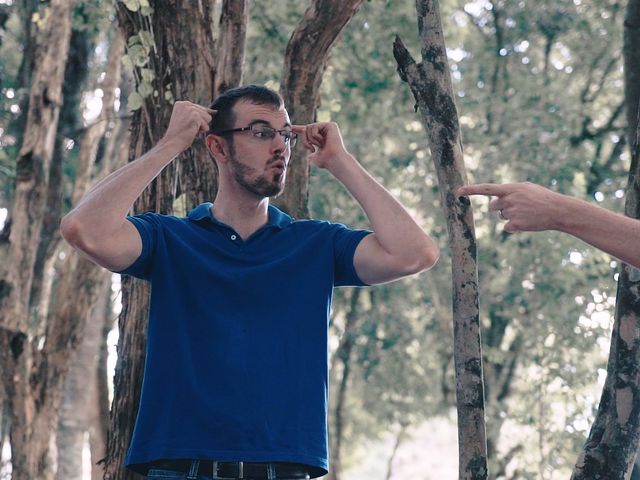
[259, 121]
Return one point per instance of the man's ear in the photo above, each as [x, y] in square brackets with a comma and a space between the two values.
[217, 147]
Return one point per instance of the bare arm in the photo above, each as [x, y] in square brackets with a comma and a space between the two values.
[398, 246]
[97, 226]
[531, 207]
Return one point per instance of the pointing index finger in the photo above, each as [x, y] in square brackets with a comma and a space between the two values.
[298, 128]
[489, 189]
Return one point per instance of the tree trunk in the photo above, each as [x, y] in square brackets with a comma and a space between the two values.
[99, 419]
[631, 52]
[89, 282]
[198, 173]
[305, 60]
[27, 213]
[26, 9]
[80, 49]
[400, 436]
[78, 398]
[430, 84]
[612, 446]
[180, 28]
[343, 353]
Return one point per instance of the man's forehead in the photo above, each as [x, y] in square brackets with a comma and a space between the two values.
[246, 112]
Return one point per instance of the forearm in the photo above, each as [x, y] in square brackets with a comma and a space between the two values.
[613, 233]
[396, 231]
[104, 208]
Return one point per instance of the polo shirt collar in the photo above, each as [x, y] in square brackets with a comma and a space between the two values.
[277, 218]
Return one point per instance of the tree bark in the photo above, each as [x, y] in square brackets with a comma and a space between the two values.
[78, 398]
[612, 446]
[180, 28]
[198, 173]
[430, 83]
[89, 282]
[343, 353]
[631, 54]
[99, 420]
[27, 213]
[26, 9]
[230, 52]
[305, 60]
[80, 49]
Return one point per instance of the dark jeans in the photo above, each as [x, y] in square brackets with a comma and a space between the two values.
[166, 474]
[161, 474]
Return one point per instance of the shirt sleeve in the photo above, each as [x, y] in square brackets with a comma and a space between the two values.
[148, 225]
[345, 242]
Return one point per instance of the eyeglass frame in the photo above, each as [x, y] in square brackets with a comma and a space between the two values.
[290, 137]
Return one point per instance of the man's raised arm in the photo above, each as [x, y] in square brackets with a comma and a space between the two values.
[530, 207]
[398, 246]
[97, 226]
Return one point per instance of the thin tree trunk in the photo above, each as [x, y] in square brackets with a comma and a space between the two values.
[76, 70]
[400, 436]
[24, 391]
[75, 416]
[180, 28]
[305, 60]
[231, 46]
[26, 9]
[612, 446]
[343, 353]
[430, 84]
[78, 402]
[99, 420]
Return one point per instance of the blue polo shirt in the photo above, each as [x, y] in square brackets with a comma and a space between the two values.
[236, 365]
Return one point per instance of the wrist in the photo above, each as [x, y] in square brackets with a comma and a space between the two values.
[568, 216]
[170, 146]
[342, 165]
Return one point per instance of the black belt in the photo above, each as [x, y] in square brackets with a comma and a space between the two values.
[237, 470]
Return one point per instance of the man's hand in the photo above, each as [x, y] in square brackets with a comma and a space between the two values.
[187, 121]
[525, 206]
[324, 141]
[530, 207]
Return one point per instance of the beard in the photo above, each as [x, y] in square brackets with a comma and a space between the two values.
[262, 185]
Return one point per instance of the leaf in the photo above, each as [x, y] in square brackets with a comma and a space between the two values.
[133, 40]
[139, 55]
[133, 5]
[135, 101]
[145, 89]
[147, 74]
[146, 39]
[168, 96]
[127, 64]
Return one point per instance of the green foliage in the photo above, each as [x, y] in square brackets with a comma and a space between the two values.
[136, 62]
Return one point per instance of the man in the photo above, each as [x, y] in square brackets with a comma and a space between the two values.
[530, 207]
[235, 381]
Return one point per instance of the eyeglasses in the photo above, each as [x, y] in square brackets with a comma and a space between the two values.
[264, 132]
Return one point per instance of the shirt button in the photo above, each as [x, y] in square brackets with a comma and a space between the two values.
[233, 237]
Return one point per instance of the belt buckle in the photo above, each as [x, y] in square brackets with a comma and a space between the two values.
[240, 471]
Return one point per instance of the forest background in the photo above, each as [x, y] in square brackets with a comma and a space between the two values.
[540, 97]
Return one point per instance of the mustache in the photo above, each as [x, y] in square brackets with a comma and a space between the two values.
[278, 158]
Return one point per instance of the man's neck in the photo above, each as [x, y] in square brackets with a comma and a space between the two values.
[245, 215]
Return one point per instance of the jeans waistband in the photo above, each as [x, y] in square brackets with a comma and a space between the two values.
[236, 470]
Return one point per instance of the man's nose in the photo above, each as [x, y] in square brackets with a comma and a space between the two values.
[278, 144]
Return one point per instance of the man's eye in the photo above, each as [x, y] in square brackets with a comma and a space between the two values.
[263, 133]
